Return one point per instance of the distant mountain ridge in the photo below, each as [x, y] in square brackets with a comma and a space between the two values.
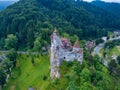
[4, 4]
[113, 8]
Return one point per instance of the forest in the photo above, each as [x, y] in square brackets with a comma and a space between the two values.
[27, 25]
[113, 8]
[32, 21]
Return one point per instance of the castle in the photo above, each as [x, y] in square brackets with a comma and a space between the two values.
[61, 49]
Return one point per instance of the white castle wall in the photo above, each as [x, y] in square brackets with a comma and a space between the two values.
[58, 54]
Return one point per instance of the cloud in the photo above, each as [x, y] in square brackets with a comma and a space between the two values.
[112, 0]
[9, 0]
[105, 0]
[83, 0]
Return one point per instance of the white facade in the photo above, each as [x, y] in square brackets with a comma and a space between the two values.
[58, 54]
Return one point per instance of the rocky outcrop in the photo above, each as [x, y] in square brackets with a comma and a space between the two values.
[61, 49]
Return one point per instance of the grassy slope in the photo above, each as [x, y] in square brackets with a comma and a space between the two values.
[110, 34]
[114, 51]
[26, 74]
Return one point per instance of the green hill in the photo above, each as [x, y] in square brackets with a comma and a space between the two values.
[113, 8]
[29, 24]
[26, 74]
[29, 19]
[90, 75]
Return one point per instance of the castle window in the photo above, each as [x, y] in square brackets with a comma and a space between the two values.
[64, 57]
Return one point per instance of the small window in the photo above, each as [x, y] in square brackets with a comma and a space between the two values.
[64, 57]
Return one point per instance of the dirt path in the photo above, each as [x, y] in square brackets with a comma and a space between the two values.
[12, 87]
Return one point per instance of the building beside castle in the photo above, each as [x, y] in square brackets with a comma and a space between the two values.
[117, 33]
[62, 49]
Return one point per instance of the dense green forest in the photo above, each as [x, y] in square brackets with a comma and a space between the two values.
[113, 8]
[28, 24]
[32, 21]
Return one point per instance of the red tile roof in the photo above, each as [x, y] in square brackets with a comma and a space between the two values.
[76, 45]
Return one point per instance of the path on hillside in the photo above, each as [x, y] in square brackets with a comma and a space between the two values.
[97, 49]
[25, 52]
[20, 52]
[101, 45]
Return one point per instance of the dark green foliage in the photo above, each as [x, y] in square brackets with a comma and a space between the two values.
[7, 65]
[44, 77]
[113, 8]
[2, 43]
[11, 42]
[56, 81]
[37, 44]
[69, 64]
[2, 76]
[99, 41]
[112, 44]
[112, 65]
[12, 55]
[31, 19]
[118, 59]
[104, 54]
[87, 76]
[72, 86]
[32, 60]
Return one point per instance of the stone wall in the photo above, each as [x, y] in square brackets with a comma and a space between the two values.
[58, 54]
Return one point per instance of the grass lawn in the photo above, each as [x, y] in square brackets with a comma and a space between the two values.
[101, 52]
[114, 51]
[110, 34]
[27, 74]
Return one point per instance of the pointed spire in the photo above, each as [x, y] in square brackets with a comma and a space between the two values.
[55, 30]
[76, 45]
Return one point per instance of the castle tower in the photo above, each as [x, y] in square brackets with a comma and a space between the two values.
[54, 57]
[60, 52]
[76, 45]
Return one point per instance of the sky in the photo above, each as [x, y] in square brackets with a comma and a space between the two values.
[105, 0]
[9, 0]
[83, 0]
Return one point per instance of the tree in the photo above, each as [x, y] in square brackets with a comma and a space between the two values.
[37, 44]
[112, 65]
[85, 75]
[76, 68]
[2, 76]
[2, 43]
[11, 42]
[12, 55]
[30, 38]
[87, 86]
[118, 59]
[32, 60]
[72, 86]
[7, 64]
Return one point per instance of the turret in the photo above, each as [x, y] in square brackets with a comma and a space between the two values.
[55, 31]
[76, 45]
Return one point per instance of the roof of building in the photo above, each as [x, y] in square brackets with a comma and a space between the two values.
[66, 42]
[76, 45]
[55, 30]
[80, 51]
[117, 31]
